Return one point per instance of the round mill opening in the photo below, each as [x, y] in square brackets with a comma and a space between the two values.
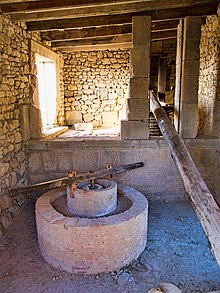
[97, 227]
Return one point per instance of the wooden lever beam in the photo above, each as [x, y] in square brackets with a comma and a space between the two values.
[201, 198]
[15, 192]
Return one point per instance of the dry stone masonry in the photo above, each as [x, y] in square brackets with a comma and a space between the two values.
[96, 86]
[209, 85]
[14, 91]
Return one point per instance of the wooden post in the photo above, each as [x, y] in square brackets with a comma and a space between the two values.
[201, 198]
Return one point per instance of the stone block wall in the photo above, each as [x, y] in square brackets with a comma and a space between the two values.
[14, 92]
[159, 178]
[209, 80]
[96, 86]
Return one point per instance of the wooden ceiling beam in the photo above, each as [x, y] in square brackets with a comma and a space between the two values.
[156, 15]
[18, 6]
[155, 49]
[107, 9]
[95, 47]
[103, 31]
[22, 6]
[96, 41]
[156, 36]
[15, 1]
[79, 22]
[87, 33]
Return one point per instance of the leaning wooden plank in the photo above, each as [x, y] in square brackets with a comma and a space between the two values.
[15, 192]
[201, 198]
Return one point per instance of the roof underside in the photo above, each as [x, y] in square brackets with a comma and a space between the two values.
[94, 24]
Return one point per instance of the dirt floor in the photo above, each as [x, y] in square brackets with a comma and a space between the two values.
[177, 252]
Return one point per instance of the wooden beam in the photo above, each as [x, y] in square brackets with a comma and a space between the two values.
[18, 2]
[52, 184]
[126, 38]
[79, 22]
[72, 34]
[99, 9]
[17, 6]
[201, 198]
[96, 41]
[87, 33]
[156, 15]
[125, 46]
[97, 47]
[163, 35]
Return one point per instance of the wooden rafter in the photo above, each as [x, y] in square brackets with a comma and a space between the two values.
[102, 9]
[162, 14]
[74, 34]
[113, 39]
[17, 6]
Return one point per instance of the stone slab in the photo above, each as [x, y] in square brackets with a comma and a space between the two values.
[190, 82]
[192, 34]
[110, 119]
[141, 31]
[73, 117]
[189, 120]
[134, 129]
[139, 87]
[138, 109]
[140, 62]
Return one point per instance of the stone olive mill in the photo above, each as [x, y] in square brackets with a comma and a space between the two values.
[109, 146]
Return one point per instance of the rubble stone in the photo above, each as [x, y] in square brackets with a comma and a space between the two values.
[97, 81]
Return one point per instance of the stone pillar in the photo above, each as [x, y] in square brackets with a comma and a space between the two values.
[187, 82]
[162, 74]
[136, 127]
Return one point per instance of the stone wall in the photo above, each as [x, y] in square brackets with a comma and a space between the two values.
[19, 113]
[14, 91]
[159, 178]
[209, 80]
[96, 86]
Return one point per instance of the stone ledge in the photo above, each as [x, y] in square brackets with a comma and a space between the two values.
[53, 132]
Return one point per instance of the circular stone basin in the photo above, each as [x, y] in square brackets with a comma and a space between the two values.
[92, 245]
[93, 201]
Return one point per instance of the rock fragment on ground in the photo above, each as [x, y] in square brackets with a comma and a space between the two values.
[165, 288]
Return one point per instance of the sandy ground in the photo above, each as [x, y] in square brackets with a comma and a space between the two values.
[177, 252]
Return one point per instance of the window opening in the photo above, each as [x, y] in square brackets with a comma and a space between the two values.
[46, 73]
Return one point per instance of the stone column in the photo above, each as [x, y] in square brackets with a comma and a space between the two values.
[162, 74]
[136, 127]
[187, 78]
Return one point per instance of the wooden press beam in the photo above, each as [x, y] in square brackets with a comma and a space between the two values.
[201, 198]
[52, 184]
